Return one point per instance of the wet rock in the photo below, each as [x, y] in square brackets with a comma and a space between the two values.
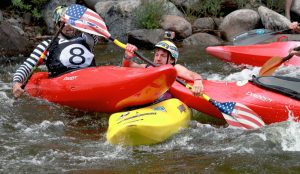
[145, 38]
[118, 17]
[1, 16]
[296, 7]
[177, 24]
[12, 42]
[47, 12]
[202, 39]
[204, 23]
[273, 20]
[238, 22]
[171, 9]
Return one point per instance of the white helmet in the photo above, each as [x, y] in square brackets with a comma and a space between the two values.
[170, 47]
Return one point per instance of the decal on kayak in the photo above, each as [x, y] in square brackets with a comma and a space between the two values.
[70, 78]
[123, 115]
[181, 108]
[160, 108]
[259, 97]
[241, 83]
[137, 115]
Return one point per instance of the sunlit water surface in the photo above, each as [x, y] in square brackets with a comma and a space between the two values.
[40, 137]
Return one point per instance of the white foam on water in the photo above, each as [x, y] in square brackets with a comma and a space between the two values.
[116, 152]
[4, 99]
[291, 135]
[291, 71]
[245, 74]
[36, 128]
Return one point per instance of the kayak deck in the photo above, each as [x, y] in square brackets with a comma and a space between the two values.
[255, 55]
[270, 106]
[149, 125]
[103, 89]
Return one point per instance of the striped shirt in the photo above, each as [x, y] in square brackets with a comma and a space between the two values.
[27, 67]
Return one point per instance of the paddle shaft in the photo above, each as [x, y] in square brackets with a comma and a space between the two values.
[290, 55]
[43, 55]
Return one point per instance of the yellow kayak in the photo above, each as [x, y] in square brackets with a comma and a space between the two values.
[149, 125]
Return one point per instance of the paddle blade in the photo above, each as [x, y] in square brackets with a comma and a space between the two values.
[239, 115]
[270, 66]
[85, 20]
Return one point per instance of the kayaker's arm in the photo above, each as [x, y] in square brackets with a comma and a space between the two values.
[184, 73]
[129, 54]
[27, 67]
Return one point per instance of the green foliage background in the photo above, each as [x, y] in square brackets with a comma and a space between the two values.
[34, 7]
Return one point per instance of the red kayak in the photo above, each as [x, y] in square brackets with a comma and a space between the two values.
[270, 106]
[103, 89]
[255, 55]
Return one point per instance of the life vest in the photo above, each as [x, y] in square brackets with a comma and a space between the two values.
[68, 55]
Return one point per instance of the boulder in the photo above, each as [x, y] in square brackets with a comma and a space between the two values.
[204, 23]
[144, 38]
[177, 24]
[238, 22]
[202, 39]
[118, 16]
[48, 10]
[273, 20]
[12, 42]
[296, 7]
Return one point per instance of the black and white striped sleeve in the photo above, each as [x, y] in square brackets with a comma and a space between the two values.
[27, 67]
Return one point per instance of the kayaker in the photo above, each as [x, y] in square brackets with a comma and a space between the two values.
[296, 28]
[288, 5]
[70, 51]
[166, 52]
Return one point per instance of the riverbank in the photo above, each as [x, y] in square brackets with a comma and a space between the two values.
[19, 37]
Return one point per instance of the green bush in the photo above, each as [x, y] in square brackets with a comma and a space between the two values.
[34, 7]
[212, 8]
[149, 13]
[276, 5]
[203, 8]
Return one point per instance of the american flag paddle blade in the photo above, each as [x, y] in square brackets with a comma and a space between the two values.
[85, 20]
[239, 115]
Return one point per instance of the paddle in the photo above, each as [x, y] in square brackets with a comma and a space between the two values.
[235, 114]
[43, 55]
[255, 36]
[273, 63]
[237, 117]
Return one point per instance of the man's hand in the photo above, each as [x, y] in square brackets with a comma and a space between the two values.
[129, 51]
[17, 90]
[198, 88]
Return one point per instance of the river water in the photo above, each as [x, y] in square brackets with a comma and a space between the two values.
[40, 137]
